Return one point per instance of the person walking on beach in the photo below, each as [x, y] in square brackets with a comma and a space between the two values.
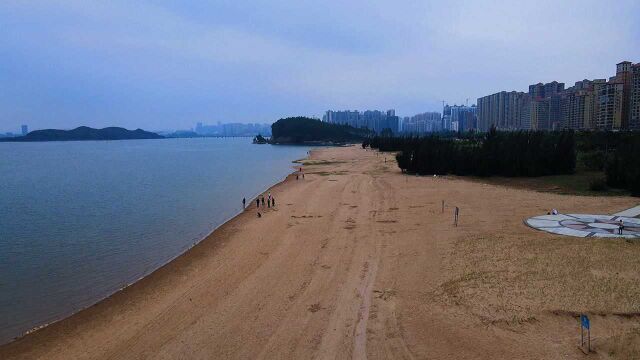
[244, 203]
[620, 227]
[273, 202]
[269, 202]
[258, 203]
[262, 200]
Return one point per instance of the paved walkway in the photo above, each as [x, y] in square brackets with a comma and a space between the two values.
[588, 225]
[633, 212]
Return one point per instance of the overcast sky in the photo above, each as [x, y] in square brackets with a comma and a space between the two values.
[168, 64]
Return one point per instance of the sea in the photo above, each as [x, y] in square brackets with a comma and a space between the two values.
[80, 220]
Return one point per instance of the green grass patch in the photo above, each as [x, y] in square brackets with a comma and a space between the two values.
[580, 183]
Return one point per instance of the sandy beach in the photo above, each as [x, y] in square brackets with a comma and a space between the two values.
[359, 261]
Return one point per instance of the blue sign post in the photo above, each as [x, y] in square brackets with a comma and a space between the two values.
[584, 324]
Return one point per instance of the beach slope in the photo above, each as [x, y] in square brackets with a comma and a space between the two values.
[360, 261]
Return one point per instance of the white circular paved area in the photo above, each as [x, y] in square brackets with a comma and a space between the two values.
[586, 225]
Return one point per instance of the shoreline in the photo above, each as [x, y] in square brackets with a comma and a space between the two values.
[183, 252]
[360, 260]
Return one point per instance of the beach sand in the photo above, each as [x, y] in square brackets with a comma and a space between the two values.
[358, 261]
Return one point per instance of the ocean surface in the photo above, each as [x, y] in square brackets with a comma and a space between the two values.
[80, 220]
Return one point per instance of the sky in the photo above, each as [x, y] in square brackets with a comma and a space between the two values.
[161, 65]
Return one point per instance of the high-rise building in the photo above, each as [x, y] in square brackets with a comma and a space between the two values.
[445, 123]
[624, 76]
[608, 104]
[539, 114]
[634, 100]
[504, 110]
[545, 105]
[25, 130]
[577, 106]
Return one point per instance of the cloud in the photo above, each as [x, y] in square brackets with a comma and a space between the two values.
[141, 64]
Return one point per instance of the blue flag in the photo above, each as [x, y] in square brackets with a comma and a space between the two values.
[585, 321]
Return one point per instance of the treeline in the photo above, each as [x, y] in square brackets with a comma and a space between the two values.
[522, 153]
[617, 153]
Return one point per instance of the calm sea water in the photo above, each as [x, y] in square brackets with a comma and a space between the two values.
[78, 220]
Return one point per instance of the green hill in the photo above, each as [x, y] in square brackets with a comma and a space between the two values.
[300, 130]
[86, 133]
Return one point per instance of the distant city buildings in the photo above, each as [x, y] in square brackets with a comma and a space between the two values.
[233, 129]
[456, 117]
[422, 123]
[612, 104]
[24, 130]
[459, 118]
[370, 119]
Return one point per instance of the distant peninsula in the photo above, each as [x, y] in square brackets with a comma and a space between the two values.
[85, 133]
[304, 130]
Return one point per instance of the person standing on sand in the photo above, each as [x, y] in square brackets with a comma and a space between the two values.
[273, 202]
[262, 200]
[244, 203]
[620, 227]
[258, 203]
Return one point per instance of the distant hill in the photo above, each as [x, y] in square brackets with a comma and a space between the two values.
[86, 133]
[301, 130]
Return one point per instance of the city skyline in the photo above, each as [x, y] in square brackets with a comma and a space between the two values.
[604, 103]
[148, 66]
[610, 103]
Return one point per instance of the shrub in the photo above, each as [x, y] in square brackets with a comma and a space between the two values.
[598, 184]
[593, 160]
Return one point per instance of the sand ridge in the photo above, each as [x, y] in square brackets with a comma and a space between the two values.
[358, 261]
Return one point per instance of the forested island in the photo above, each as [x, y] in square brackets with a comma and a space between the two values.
[304, 130]
[85, 133]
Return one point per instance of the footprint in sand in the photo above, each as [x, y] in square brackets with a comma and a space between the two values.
[385, 294]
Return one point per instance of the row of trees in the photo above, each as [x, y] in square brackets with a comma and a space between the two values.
[522, 153]
[615, 153]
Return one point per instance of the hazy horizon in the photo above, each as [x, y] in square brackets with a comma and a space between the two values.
[167, 66]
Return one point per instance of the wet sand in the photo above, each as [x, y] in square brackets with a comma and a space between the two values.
[358, 261]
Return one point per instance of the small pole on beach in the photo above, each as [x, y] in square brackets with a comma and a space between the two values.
[455, 217]
[585, 323]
